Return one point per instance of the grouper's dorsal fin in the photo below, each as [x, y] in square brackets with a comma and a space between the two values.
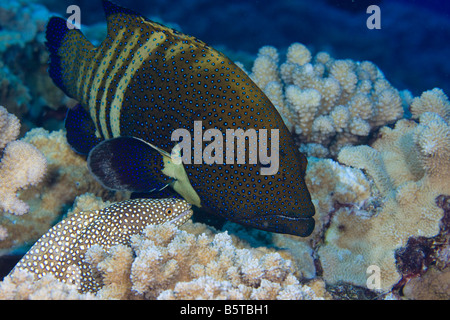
[70, 53]
[119, 18]
[111, 10]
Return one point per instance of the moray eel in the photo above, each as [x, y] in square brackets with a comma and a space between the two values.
[144, 83]
[62, 249]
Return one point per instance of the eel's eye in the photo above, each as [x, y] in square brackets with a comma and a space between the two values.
[169, 211]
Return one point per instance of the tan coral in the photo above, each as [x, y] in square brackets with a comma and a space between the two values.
[298, 53]
[265, 68]
[22, 165]
[344, 72]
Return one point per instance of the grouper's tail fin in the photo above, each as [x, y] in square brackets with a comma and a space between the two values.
[70, 53]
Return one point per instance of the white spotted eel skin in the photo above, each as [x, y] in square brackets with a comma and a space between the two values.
[62, 249]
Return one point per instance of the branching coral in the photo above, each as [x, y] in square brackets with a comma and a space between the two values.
[330, 103]
[22, 165]
[410, 169]
[431, 101]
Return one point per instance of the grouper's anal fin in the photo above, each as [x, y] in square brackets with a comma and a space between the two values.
[81, 131]
[132, 164]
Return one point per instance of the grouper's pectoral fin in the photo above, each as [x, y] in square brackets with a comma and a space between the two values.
[132, 164]
[173, 167]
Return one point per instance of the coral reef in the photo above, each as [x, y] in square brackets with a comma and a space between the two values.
[167, 263]
[164, 262]
[9, 127]
[385, 205]
[410, 169]
[67, 176]
[330, 103]
[25, 86]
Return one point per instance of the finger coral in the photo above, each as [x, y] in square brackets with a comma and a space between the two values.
[327, 102]
[409, 166]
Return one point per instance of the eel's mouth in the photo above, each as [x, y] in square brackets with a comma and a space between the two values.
[182, 217]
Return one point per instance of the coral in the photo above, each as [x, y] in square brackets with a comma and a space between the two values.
[22, 285]
[13, 93]
[334, 186]
[326, 101]
[385, 210]
[9, 127]
[22, 165]
[167, 263]
[431, 101]
[21, 23]
[409, 166]
[25, 86]
[434, 285]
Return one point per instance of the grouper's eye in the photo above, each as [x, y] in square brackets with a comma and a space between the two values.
[169, 211]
